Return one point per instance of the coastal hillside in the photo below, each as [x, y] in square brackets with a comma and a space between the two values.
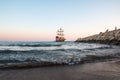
[107, 37]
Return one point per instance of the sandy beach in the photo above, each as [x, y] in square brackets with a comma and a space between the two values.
[90, 71]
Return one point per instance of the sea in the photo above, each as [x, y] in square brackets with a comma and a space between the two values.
[22, 54]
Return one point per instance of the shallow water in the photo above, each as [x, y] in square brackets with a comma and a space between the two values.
[12, 53]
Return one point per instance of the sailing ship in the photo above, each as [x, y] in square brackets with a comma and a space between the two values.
[60, 36]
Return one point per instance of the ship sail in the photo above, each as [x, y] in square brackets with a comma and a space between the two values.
[60, 35]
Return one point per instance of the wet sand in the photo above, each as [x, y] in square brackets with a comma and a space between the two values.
[89, 71]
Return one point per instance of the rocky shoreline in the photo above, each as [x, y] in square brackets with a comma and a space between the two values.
[107, 37]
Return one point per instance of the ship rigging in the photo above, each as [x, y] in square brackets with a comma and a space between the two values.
[60, 35]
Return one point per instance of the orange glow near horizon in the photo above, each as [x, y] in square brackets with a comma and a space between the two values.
[42, 36]
[22, 37]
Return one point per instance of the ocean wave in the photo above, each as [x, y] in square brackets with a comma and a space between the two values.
[31, 44]
[99, 48]
[52, 58]
[53, 53]
[53, 48]
[71, 61]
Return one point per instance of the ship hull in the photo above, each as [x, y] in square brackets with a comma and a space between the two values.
[60, 39]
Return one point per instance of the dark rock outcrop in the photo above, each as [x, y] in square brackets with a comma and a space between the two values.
[107, 37]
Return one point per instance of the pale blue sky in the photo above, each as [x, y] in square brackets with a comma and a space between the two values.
[39, 19]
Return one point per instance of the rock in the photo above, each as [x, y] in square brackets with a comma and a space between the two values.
[108, 37]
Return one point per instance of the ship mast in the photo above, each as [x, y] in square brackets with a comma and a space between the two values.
[60, 35]
[60, 32]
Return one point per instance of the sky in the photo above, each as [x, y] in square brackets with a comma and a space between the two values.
[38, 20]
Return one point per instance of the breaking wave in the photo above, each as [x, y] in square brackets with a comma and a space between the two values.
[30, 44]
[64, 53]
